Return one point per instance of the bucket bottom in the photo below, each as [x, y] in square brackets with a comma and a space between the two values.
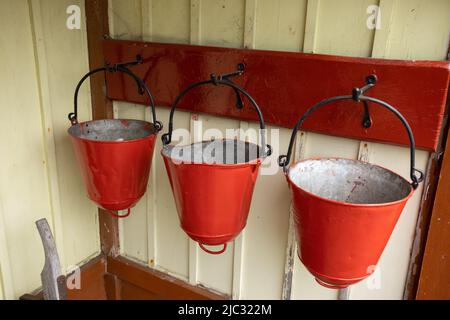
[332, 282]
[330, 286]
[119, 205]
[212, 241]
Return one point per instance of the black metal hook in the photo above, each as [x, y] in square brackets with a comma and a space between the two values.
[118, 67]
[227, 76]
[216, 81]
[121, 65]
[367, 119]
[415, 174]
[371, 80]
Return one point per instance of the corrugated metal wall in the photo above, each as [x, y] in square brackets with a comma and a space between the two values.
[254, 266]
[42, 61]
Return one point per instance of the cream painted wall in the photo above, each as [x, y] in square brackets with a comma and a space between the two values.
[42, 61]
[254, 265]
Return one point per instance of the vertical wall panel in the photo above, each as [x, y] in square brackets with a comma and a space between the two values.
[134, 228]
[170, 21]
[280, 24]
[221, 278]
[125, 18]
[40, 178]
[419, 29]
[62, 61]
[267, 226]
[222, 23]
[342, 28]
[171, 242]
[126, 23]
[24, 191]
[320, 145]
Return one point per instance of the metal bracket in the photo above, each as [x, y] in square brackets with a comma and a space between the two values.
[371, 80]
[226, 77]
[113, 67]
[124, 65]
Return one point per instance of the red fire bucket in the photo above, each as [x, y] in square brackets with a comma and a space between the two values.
[212, 181]
[114, 155]
[345, 210]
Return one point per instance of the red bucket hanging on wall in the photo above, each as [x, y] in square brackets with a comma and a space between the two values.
[114, 155]
[213, 181]
[345, 210]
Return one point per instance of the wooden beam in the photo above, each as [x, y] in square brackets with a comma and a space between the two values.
[97, 30]
[118, 278]
[155, 284]
[279, 80]
[113, 287]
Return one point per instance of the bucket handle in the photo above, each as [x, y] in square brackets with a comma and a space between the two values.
[202, 246]
[357, 95]
[121, 67]
[225, 81]
[115, 215]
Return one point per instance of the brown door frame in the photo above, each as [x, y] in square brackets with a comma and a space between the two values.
[102, 108]
[434, 279]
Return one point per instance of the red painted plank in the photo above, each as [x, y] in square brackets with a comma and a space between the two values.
[285, 84]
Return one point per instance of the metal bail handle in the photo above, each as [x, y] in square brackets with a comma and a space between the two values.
[202, 246]
[221, 80]
[121, 67]
[119, 216]
[415, 174]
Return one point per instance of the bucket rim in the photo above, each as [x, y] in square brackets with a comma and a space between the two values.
[349, 204]
[111, 141]
[256, 161]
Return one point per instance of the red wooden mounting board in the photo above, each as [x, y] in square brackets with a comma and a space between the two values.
[285, 84]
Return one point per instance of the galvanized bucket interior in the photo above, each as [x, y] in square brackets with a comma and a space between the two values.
[112, 130]
[223, 151]
[349, 181]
